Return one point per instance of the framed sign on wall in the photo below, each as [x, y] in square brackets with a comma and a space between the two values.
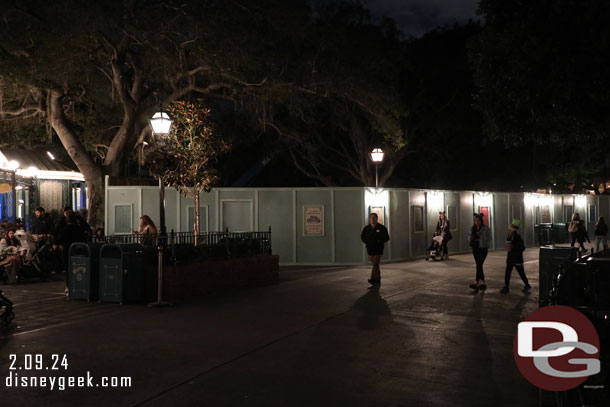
[484, 210]
[313, 220]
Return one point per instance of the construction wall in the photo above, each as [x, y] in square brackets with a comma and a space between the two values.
[322, 226]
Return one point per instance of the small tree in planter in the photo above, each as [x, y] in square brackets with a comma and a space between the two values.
[185, 158]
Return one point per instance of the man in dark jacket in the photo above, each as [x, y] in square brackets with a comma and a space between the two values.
[374, 236]
[80, 221]
[43, 224]
[514, 256]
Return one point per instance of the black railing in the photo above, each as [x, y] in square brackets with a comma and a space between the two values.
[209, 245]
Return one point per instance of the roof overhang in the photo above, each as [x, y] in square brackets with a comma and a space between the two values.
[33, 172]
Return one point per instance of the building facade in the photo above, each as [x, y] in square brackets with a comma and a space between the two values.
[32, 178]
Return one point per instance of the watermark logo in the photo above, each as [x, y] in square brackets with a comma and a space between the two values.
[557, 348]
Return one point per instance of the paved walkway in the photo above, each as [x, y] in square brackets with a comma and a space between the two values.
[319, 338]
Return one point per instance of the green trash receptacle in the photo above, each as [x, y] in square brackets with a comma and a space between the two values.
[83, 271]
[551, 260]
[545, 234]
[560, 233]
[121, 276]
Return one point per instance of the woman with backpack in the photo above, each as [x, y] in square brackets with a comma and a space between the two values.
[601, 231]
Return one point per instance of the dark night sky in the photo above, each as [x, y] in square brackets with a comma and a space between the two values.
[415, 17]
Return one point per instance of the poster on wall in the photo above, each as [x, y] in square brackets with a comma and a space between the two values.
[313, 220]
[380, 211]
[485, 213]
[545, 214]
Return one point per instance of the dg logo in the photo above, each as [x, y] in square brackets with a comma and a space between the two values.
[557, 348]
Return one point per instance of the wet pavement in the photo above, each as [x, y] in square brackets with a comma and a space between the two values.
[319, 338]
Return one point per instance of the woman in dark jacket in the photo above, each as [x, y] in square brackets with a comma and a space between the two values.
[443, 228]
[515, 246]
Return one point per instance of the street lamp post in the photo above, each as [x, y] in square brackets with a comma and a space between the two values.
[377, 158]
[160, 125]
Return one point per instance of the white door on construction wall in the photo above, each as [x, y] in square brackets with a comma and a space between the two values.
[237, 215]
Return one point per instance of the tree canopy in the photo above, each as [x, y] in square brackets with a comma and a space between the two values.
[542, 73]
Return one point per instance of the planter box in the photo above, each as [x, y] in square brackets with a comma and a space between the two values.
[185, 281]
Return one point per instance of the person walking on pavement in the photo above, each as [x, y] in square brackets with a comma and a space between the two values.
[479, 238]
[443, 229]
[374, 236]
[578, 232]
[601, 231]
[514, 256]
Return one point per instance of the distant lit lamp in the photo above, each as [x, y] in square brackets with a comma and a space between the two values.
[377, 158]
[160, 125]
[13, 165]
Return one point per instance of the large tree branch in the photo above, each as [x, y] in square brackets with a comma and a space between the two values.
[60, 123]
[21, 111]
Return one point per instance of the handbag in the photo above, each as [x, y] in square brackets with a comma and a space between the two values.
[573, 226]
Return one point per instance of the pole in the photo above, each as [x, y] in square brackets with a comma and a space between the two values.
[14, 195]
[376, 176]
[160, 247]
[162, 210]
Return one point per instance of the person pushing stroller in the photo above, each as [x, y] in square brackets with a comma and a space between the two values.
[442, 235]
[515, 246]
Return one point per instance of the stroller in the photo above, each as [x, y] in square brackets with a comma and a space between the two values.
[434, 252]
[38, 259]
[6, 311]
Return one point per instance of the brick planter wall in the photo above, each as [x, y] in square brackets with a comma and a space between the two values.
[185, 281]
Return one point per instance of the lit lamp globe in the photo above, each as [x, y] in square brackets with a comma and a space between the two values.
[160, 123]
[377, 155]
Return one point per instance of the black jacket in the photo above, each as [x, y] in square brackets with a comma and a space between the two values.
[43, 225]
[601, 229]
[515, 254]
[70, 234]
[374, 238]
[80, 222]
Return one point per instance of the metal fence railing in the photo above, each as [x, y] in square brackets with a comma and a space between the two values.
[209, 244]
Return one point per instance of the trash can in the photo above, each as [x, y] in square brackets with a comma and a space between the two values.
[83, 271]
[121, 276]
[551, 261]
[545, 234]
[560, 233]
